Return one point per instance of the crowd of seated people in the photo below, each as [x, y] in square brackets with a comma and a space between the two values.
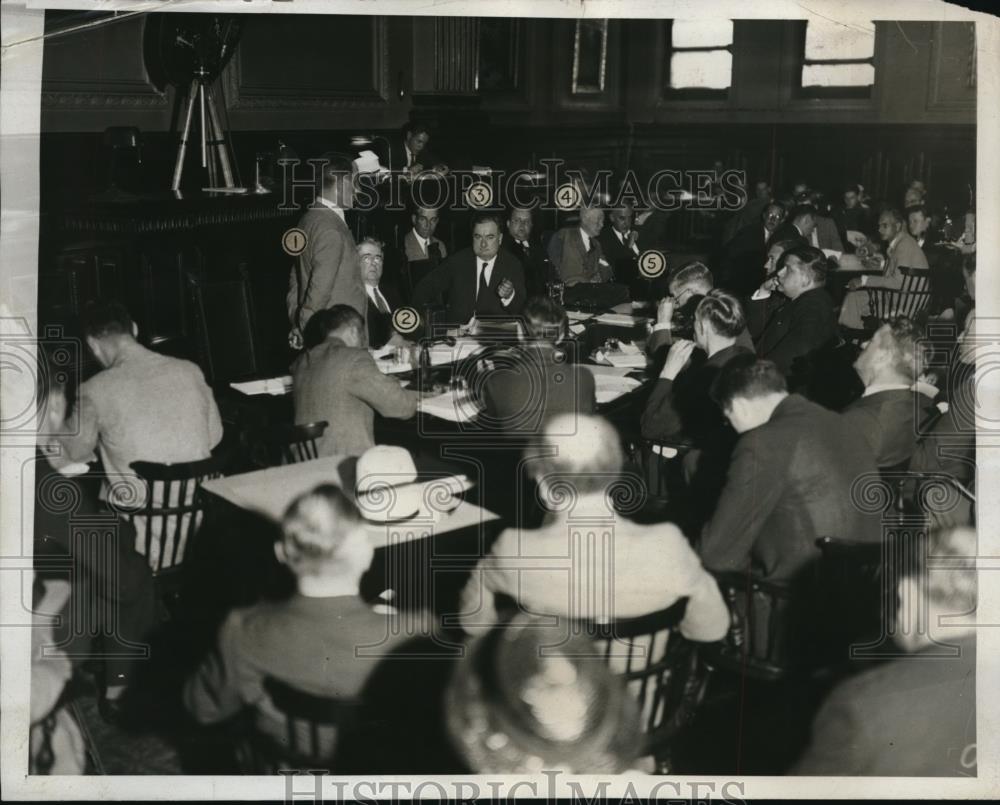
[769, 468]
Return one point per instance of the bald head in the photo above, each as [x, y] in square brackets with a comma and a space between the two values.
[584, 451]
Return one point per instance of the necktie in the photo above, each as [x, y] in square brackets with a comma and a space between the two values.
[483, 284]
[590, 245]
[524, 245]
[380, 303]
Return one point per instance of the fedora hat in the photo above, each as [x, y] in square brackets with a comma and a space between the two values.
[389, 488]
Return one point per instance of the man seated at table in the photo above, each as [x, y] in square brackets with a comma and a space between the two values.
[790, 477]
[890, 411]
[534, 382]
[690, 282]
[914, 715]
[337, 381]
[680, 407]
[519, 242]
[482, 281]
[576, 252]
[310, 641]
[383, 298]
[142, 406]
[619, 243]
[806, 321]
[420, 242]
[901, 250]
[632, 570]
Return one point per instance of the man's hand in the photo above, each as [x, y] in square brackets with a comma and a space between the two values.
[295, 339]
[55, 410]
[633, 236]
[505, 289]
[665, 310]
[677, 358]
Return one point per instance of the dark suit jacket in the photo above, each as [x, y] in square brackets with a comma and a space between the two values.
[397, 152]
[789, 483]
[624, 261]
[912, 717]
[380, 324]
[797, 328]
[533, 261]
[890, 422]
[455, 281]
[573, 263]
[529, 385]
[683, 409]
[328, 272]
[740, 266]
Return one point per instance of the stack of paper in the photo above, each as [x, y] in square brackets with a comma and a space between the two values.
[389, 365]
[450, 406]
[610, 387]
[275, 386]
[576, 315]
[441, 354]
[577, 328]
[620, 319]
[629, 356]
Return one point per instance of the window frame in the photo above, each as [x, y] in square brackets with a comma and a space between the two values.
[847, 93]
[669, 93]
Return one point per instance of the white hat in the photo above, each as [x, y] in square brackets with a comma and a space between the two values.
[389, 488]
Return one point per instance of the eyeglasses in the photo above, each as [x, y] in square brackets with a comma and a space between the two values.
[372, 258]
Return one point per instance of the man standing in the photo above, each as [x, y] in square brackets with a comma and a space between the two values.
[789, 481]
[336, 380]
[327, 272]
[890, 413]
[518, 241]
[902, 250]
[805, 322]
[576, 252]
[476, 282]
[739, 265]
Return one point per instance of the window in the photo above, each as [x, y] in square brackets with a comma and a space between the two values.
[499, 46]
[838, 60]
[590, 56]
[699, 58]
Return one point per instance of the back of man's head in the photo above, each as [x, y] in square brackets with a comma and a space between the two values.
[722, 312]
[694, 275]
[330, 321]
[544, 320]
[106, 319]
[579, 451]
[895, 353]
[336, 166]
[747, 378]
[315, 528]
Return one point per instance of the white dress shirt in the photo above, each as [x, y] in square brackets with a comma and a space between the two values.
[331, 206]
[424, 242]
[623, 239]
[489, 276]
[375, 295]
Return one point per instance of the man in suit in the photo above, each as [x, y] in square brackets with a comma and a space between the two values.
[789, 480]
[751, 211]
[902, 250]
[420, 243]
[680, 407]
[808, 225]
[383, 298]
[310, 641]
[634, 570]
[410, 154]
[619, 244]
[534, 382]
[943, 260]
[739, 264]
[518, 241]
[327, 273]
[477, 282]
[852, 216]
[806, 321]
[915, 715]
[576, 252]
[890, 412]
[337, 381]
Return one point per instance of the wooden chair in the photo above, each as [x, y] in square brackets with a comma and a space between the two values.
[290, 444]
[661, 669]
[912, 297]
[659, 466]
[312, 726]
[761, 641]
[171, 513]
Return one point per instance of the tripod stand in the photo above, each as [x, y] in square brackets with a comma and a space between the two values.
[214, 151]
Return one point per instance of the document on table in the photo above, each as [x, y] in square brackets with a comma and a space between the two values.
[610, 387]
[577, 315]
[629, 356]
[450, 406]
[442, 354]
[620, 319]
[275, 386]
